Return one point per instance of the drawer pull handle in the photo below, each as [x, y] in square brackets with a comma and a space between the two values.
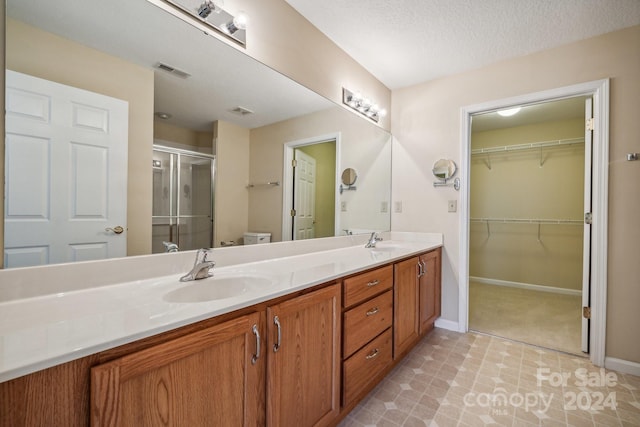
[276, 322]
[373, 311]
[255, 357]
[373, 283]
[373, 354]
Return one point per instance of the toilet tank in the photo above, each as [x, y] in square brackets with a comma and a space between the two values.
[255, 238]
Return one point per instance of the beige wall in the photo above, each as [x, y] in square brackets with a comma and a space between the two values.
[231, 204]
[364, 147]
[517, 186]
[325, 155]
[281, 38]
[183, 138]
[35, 52]
[426, 125]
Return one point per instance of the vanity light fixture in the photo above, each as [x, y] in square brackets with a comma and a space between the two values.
[363, 105]
[239, 22]
[212, 14]
[509, 112]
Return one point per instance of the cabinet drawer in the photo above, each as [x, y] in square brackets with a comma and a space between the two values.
[366, 285]
[363, 367]
[366, 321]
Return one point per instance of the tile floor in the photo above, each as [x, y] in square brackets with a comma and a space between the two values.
[453, 379]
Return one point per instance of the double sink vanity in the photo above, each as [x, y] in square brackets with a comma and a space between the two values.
[285, 334]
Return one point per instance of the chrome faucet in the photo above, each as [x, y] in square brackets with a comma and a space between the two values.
[170, 247]
[373, 240]
[201, 267]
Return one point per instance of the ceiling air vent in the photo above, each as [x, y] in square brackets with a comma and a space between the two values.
[172, 70]
[241, 111]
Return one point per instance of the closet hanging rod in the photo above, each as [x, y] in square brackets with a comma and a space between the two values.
[529, 221]
[264, 184]
[542, 144]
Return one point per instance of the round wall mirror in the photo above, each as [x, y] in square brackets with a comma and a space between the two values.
[349, 176]
[444, 169]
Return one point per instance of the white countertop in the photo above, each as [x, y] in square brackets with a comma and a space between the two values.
[47, 330]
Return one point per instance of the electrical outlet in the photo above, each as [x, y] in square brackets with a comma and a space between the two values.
[452, 205]
[343, 206]
[384, 207]
[397, 207]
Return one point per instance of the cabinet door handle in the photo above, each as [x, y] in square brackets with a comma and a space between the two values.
[256, 356]
[420, 271]
[424, 266]
[373, 311]
[276, 346]
[373, 283]
[373, 354]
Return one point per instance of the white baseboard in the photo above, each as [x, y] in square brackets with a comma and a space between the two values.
[624, 366]
[449, 325]
[528, 286]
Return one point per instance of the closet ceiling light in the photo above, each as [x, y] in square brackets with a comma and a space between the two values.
[509, 112]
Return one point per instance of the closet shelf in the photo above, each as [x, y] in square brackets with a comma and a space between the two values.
[530, 146]
[537, 221]
[529, 220]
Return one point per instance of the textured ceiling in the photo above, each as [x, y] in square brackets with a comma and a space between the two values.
[405, 42]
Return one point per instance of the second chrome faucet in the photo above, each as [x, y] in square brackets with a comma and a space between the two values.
[201, 267]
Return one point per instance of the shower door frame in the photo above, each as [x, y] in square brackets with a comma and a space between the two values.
[599, 91]
[177, 216]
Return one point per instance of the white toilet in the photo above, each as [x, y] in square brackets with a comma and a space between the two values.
[251, 238]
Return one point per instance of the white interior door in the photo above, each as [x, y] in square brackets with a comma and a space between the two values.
[304, 197]
[586, 257]
[66, 173]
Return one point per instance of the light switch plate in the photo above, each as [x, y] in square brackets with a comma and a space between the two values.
[384, 207]
[397, 207]
[343, 206]
[452, 205]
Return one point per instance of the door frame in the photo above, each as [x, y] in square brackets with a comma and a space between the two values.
[599, 91]
[287, 181]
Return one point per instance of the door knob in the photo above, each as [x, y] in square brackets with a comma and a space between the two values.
[117, 229]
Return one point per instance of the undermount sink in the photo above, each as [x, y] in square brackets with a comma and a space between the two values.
[218, 288]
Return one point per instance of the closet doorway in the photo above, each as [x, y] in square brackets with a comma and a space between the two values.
[529, 248]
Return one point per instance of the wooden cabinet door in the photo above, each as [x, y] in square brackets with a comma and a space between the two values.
[209, 377]
[303, 361]
[406, 304]
[429, 290]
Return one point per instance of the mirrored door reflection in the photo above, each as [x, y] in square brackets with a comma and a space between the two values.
[182, 199]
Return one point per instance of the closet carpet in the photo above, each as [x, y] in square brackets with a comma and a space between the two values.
[544, 319]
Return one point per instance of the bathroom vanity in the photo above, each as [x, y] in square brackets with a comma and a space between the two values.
[306, 338]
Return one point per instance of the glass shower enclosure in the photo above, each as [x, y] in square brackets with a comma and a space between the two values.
[182, 199]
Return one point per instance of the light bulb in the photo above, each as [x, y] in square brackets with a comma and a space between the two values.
[241, 20]
[382, 113]
[509, 112]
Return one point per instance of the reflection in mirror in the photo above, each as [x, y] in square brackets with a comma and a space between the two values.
[349, 176]
[216, 101]
[444, 169]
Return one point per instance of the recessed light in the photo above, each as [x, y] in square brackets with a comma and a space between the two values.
[163, 116]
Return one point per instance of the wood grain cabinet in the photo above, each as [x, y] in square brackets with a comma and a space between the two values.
[303, 362]
[416, 299]
[429, 283]
[367, 338]
[211, 377]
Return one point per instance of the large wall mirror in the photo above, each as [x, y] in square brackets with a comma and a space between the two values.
[207, 132]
